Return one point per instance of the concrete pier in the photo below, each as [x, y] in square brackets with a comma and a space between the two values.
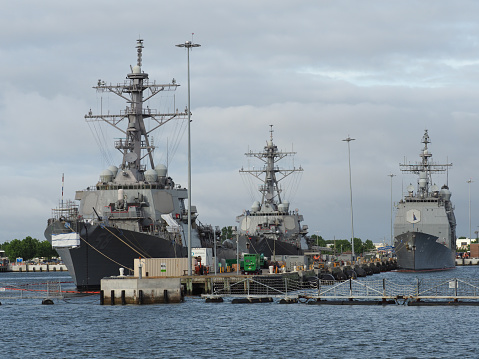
[130, 290]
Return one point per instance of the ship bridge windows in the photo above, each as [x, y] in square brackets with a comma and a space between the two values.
[428, 200]
[110, 186]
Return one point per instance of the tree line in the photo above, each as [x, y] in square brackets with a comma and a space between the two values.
[342, 245]
[27, 249]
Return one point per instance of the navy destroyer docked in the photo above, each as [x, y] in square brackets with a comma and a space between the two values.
[269, 227]
[132, 211]
[425, 225]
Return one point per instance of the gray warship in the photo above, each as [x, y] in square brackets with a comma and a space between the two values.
[425, 225]
[270, 227]
[136, 209]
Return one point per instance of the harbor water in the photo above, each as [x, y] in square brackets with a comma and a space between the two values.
[79, 327]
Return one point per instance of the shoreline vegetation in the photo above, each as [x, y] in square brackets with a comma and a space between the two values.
[28, 248]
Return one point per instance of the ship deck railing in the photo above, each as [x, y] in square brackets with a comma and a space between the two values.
[453, 290]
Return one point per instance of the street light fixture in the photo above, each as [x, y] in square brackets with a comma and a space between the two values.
[392, 175]
[189, 45]
[470, 181]
[236, 231]
[348, 140]
[217, 228]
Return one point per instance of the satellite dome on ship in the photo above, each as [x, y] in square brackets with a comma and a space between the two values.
[445, 193]
[256, 206]
[161, 170]
[151, 175]
[283, 207]
[113, 170]
[106, 176]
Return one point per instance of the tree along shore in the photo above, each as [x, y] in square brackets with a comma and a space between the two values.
[28, 248]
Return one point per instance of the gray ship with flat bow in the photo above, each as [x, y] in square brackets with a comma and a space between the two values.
[425, 225]
[135, 209]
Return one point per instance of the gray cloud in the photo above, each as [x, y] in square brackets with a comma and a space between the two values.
[379, 71]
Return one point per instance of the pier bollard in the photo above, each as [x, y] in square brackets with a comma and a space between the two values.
[112, 297]
[123, 300]
[102, 297]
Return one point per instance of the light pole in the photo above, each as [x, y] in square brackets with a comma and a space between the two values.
[189, 45]
[391, 175]
[470, 181]
[348, 140]
[214, 236]
[237, 250]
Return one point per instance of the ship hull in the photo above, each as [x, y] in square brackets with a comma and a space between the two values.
[104, 250]
[269, 247]
[418, 251]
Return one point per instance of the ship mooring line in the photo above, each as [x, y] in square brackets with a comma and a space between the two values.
[137, 245]
[103, 254]
[121, 240]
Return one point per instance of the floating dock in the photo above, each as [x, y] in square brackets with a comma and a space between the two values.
[453, 291]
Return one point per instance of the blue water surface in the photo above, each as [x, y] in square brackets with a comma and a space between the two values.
[78, 327]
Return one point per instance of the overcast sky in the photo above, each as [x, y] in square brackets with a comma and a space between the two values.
[318, 71]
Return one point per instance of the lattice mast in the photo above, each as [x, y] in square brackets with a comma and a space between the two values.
[425, 167]
[136, 90]
[271, 192]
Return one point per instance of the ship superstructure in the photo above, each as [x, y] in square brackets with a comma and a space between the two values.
[425, 225]
[270, 227]
[135, 209]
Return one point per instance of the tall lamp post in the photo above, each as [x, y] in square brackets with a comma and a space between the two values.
[391, 175]
[216, 258]
[470, 181]
[348, 140]
[189, 45]
[236, 231]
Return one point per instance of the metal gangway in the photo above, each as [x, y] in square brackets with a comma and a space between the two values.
[352, 290]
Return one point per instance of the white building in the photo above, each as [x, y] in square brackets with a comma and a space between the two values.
[462, 243]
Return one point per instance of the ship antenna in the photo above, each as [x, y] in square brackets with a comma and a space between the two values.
[447, 172]
[271, 131]
[63, 183]
[139, 47]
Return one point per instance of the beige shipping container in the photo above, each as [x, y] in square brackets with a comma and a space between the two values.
[162, 267]
[474, 250]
